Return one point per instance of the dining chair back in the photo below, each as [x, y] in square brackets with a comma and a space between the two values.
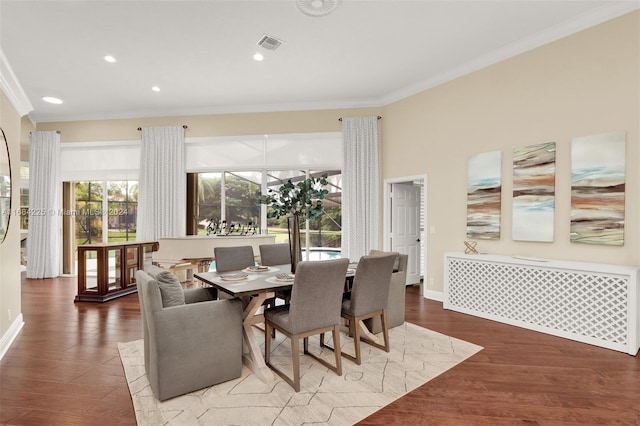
[275, 254]
[369, 299]
[233, 258]
[314, 309]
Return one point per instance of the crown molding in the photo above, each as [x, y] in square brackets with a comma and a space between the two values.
[11, 87]
[564, 29]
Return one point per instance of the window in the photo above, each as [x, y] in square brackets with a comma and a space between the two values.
[122, 199]
[232, 197]
[88, 214]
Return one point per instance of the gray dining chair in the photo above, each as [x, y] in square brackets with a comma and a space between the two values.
[275, 254]
[314, 309]
[369, 299]
[181, 355]
[397, 295]
[233, 258]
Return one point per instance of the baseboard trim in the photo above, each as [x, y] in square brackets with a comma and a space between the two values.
[438, 296]
[11, 334]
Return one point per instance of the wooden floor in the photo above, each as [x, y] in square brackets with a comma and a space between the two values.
[64, 369]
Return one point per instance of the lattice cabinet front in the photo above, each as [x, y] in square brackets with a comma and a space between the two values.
[590, 303]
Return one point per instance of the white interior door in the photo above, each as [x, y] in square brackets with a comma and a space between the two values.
[405, 226]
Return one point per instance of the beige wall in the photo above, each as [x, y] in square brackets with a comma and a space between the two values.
[209, 125]
[588, 83]
[10, 301]
[585, 84]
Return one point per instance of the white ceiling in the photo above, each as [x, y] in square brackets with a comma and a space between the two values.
[364, 54]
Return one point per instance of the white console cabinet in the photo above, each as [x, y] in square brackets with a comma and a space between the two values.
[588, 302]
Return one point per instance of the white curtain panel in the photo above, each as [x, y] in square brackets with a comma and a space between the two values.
[360, 190]
[45, 206]
[162, 184]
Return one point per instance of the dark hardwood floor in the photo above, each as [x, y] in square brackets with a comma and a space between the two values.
[64, 369]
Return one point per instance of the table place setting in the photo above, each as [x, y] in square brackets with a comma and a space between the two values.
[241, 276]
[281, 278]
[259, 268]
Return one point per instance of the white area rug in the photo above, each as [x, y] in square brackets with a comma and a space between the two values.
[417, 355]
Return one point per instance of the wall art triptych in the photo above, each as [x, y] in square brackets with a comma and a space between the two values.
[597, 191]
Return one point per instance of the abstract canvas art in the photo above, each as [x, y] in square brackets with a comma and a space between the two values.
[598, 189]
[534, 178]
[484, 190]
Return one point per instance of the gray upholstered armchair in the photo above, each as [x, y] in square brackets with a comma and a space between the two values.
[395, 309]
[191, 340]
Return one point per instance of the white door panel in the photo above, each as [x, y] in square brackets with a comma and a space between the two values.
[405, 226]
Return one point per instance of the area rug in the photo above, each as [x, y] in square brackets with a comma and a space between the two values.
[417, 355]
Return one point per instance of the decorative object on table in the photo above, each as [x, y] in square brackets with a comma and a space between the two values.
[470, 247]
[534, 192]
[484, 188]
[220, 228]
[598, 189]
[302, 200]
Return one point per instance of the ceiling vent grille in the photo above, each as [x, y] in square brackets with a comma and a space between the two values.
[269, 43]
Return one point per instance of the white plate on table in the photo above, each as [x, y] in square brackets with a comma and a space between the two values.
[257, 269]
[234, 277]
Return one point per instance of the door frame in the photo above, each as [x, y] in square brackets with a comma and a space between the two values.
[386, 227]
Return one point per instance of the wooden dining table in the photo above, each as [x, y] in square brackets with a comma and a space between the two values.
[257, 287]
[253, 291]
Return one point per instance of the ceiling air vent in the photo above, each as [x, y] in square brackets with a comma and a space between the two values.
[269, 43]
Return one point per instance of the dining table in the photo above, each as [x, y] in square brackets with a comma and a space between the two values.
[254, 285]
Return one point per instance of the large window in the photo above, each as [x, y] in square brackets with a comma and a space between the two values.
[232, 198]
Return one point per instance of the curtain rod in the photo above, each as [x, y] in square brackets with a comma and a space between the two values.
[184, 126]
[340, 119]
[57, 131]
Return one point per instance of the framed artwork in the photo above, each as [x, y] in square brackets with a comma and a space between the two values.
[598, 189]
[484, 190]
[534, 188]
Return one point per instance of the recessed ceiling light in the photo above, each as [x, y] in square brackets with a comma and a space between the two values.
[258, 56]
[52, 100]
[110, 59]
[155, 88]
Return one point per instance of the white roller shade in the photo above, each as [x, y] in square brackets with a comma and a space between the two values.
[118, 160]
[285, 151]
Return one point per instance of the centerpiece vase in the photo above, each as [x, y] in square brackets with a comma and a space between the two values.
[294, 241]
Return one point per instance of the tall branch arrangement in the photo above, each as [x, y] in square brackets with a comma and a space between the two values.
[303, 199]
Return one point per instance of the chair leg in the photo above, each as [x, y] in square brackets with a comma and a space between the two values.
[356, 339]
[385, 329]
[295, 354]
[336, 345]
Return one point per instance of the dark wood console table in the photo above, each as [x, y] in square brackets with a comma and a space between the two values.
[115, 268]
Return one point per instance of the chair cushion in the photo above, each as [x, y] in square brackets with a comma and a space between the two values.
[169, 285]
